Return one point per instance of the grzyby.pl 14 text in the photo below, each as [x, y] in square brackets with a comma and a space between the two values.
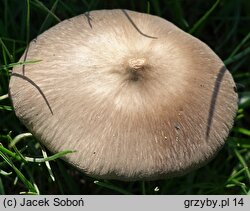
[213, 203]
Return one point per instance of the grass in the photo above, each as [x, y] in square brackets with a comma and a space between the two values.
[27, 167]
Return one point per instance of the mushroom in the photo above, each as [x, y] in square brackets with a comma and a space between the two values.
[136, 97]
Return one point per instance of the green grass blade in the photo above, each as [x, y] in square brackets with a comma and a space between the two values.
[4, 173]
[243, 163]
[148, 7]
[236, 174]
[28, 21]
[156, 6]
[45, 156]
[242, 131]
[178, 15]
[35, 160]
[53, 157]
[112, 187]
[12, 40]
[237, 56]
[6, 108]
[240, 45]
[68, 181]
[2, 191]
[44, 24]
[202, 20]
[6, 50]
[244, 101]
[19, 138]
[18, 64]
[240, 184]
[9, 153]
[143, 187]
[29, 185]
[3, 97]
[42, 6]
[239, 142]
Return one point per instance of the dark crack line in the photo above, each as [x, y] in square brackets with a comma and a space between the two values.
[134, 25]
[214, 97]
[36, 86]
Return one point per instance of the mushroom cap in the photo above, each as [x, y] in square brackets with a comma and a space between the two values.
[135, 96]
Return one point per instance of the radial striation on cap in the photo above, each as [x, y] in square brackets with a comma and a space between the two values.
[136, 97]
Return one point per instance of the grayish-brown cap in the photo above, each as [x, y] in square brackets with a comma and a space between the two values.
[134, 95]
